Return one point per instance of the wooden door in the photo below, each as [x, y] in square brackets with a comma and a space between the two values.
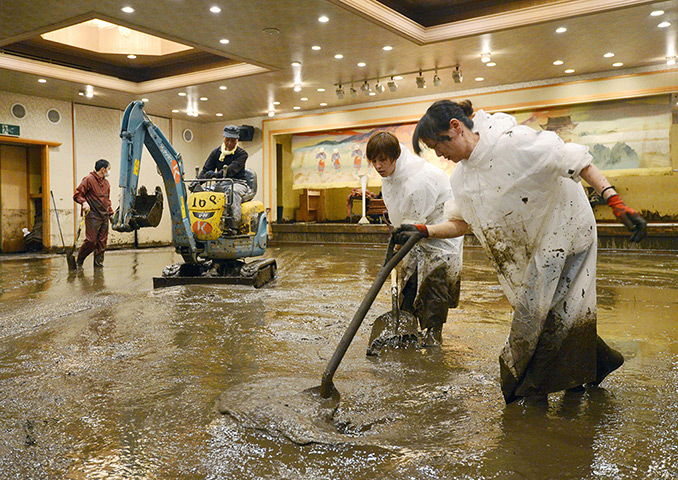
[14, 197]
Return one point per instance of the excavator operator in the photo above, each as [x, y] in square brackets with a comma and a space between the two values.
[228, 161]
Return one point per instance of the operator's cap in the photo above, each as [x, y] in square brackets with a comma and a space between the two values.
[231, 131]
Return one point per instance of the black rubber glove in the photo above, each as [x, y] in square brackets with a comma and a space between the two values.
[631, 219]
[404, 232]
[219, 174]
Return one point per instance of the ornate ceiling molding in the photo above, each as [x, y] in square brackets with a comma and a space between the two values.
[400, 24]
[42, 69]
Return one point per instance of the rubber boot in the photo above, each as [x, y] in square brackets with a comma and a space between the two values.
[607, 361]
[80, 261]
[99, 260]
[433, 336]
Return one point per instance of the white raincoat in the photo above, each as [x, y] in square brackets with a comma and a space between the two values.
[519, 192]
[416, 192]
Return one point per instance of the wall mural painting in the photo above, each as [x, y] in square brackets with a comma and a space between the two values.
[335, 159]
[620, 134]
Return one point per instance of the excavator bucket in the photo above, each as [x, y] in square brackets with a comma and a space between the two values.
[147, 209]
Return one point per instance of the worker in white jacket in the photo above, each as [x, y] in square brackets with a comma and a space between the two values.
[518, 190]
[415, 191]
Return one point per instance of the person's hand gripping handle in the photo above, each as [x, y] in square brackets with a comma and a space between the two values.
[402, 233]
[633, 221]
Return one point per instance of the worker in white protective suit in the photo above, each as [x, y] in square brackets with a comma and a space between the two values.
[518, 190]
[414, 191]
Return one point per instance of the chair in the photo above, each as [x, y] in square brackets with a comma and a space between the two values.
[311, 206]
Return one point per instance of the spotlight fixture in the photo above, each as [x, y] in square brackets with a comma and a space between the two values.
[485, 57]
[392, 85]
[421, 83]
[436, 79]
[365, 87]
[456, 75]
[340, 92]
[670, 60]
[297, 87]
[271, 113]
[379, 87]
[354, 92]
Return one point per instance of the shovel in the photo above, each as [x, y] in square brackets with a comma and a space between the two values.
[72, 264]
[326, 390]
[394, 329]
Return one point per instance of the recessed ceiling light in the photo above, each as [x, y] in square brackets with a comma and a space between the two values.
[398, 77]
[491, 64]
[223, 87]
[276, 103]
[323, 104]
[182, 94]
[271, 113]
[561, 30]
[323, 19]
[670, 60]
[131, 56]
[558, 62]
[297, 87]
[484, 57]
[387, 48]
[224, 41]
[175, 111]
[296, 108]
[657, 13]
[569, 70]
[664, 24]
[479, 79]
[219, 114]
[304, 99]
[42, 80]
[321, 90]
[215, 9]
[618, 64]
[609, 55]
[315, 47]
[338, 56]
[145, 100]
[203, 99]
[362, 64]
[81, 93]
[296, 64]
[127, 9]
[371, 94]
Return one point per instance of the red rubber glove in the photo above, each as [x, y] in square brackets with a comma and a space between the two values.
[405, 231]
[633, 221]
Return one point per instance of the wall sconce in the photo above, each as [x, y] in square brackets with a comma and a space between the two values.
[456, 75]
[392, 85]
[340, 92]
[421, 83]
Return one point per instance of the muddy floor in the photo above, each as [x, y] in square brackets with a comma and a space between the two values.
[103, 377]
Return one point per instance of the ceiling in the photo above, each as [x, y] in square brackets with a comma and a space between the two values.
[266, 37]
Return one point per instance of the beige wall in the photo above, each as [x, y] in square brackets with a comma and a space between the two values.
[87, 133]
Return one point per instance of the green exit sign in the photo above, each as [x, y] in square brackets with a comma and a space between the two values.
[12, 130]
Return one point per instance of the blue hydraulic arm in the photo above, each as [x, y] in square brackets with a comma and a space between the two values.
[137, 131]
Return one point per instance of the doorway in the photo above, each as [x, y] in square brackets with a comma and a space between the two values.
[22, 200]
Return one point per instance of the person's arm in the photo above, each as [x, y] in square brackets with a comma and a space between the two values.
[80, 192]
[633, 221]
[210, 163]
[238, 163]
[449, 229]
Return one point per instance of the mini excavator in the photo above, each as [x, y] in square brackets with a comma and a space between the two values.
[212, 253]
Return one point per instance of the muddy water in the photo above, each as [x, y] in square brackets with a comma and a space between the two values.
[103, 377]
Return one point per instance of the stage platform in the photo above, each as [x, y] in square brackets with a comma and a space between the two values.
[661, 236]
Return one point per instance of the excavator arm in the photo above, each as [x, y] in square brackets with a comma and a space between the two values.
[136, 132]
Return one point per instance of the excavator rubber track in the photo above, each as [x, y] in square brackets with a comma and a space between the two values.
[257, 273]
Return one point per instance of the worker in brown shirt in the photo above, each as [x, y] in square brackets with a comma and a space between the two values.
[94, 194]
